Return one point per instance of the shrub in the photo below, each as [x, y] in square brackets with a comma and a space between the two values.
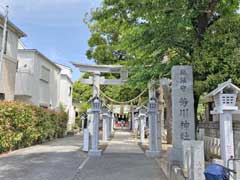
[23, 125]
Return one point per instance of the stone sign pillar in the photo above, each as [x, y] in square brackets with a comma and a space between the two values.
[183, 109]
[94, 151]
[153, 135]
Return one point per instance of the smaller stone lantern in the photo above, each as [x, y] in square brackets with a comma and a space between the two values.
[154, 150]
[225, 96]
[96, 109]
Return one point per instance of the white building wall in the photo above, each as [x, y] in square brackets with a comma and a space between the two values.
[66, 70]
[65, 96]
[48, 90]
[12, 44]
[45, 82]
[42, 83]
[66, 88]
[9, 65]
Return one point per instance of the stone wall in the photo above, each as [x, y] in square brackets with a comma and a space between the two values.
[212, 130]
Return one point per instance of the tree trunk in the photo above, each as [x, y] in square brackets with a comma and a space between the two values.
[159, 95]
[167, 94]
[196, 102]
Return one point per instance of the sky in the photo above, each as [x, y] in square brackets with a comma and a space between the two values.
[54, 27]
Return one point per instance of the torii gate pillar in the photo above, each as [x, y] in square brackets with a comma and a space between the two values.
[96, 80]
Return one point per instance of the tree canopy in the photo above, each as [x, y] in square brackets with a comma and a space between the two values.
[150, 36]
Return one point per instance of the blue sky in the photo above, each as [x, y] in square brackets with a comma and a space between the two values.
[54, 27]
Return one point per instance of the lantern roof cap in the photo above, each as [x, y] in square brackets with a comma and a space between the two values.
[141, 107]
[228, 84]
[92, 99]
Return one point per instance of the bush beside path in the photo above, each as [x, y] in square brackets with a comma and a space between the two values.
[23, 125]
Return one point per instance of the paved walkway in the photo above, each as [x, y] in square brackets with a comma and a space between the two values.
[62, 159]
[123, 159]
[56, 160]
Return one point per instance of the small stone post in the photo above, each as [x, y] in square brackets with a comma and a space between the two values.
[83, 122]
[153, 139]
[87, 132]
[159, 128]
[86, 135]
[112, 123]
[94, 151]
[105, 127]
[193, 160]
[90, 121]
[142, 117]
[136, 124]
[109, 125]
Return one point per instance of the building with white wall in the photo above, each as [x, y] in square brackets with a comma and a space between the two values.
[65, 95]
[37, 79]
[9, 64]
[41, 82]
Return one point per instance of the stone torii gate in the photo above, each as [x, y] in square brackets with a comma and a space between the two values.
[96, 80]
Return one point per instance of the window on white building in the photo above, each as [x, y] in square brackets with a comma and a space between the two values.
[70, 91]
[45, 73]
[2, 96]
[1, 36]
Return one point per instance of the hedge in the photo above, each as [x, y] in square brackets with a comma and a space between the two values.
[23, 125]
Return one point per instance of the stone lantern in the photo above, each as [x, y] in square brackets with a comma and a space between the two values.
[96, 109]
[154, 150]
[224, 97]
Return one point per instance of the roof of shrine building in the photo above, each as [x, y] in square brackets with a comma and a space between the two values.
[226, 85]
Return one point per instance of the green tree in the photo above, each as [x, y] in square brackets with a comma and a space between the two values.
[150, 36]
[81, 94]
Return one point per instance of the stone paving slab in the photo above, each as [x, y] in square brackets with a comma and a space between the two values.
[57, 160]
[123, 159]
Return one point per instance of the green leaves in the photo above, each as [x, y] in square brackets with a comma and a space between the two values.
[22, 125]
[151, 36]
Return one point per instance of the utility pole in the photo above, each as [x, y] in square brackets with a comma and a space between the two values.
[3, 40]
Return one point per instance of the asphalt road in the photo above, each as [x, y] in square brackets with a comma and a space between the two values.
[56, 160]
